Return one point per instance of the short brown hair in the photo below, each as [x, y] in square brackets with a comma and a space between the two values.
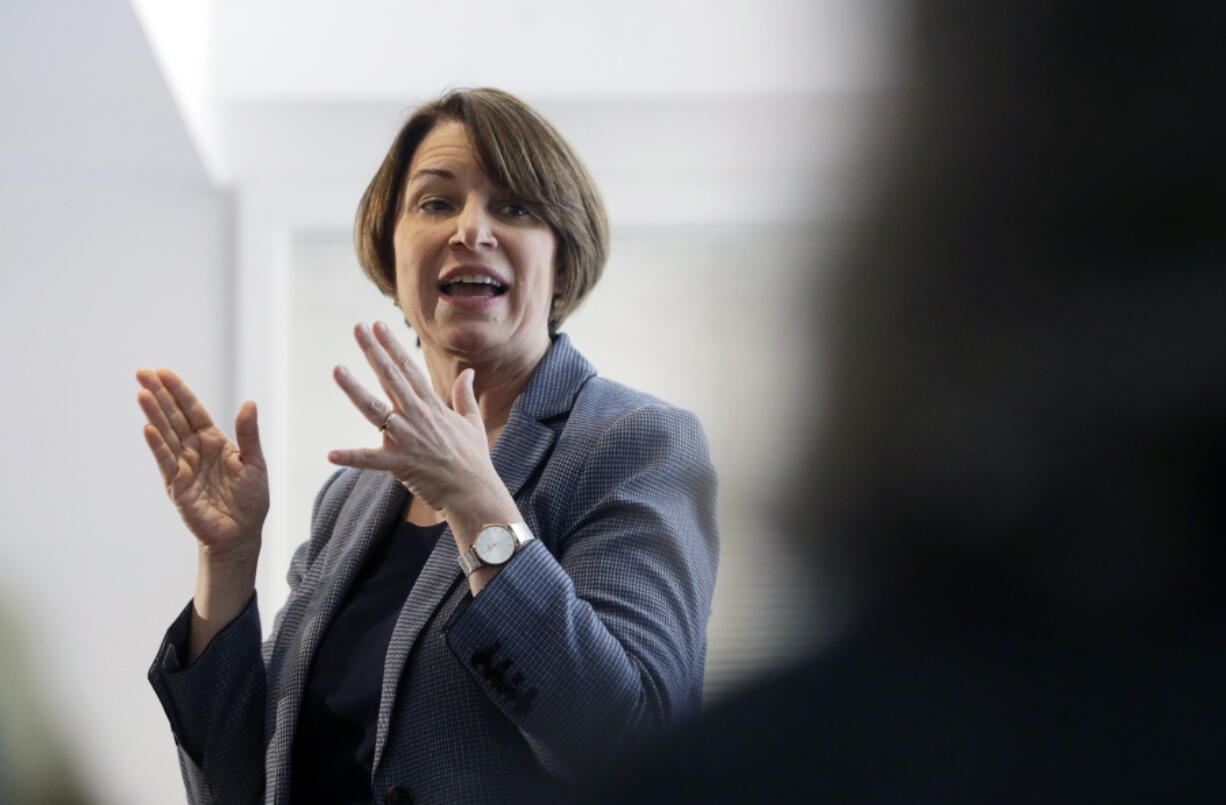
[520, 151]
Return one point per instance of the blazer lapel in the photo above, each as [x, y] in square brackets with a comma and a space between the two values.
[524, 444]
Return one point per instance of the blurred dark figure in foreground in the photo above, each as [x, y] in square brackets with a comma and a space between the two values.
[36, 764]
[1017, 486]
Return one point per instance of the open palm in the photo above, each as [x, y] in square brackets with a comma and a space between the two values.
[219, 487]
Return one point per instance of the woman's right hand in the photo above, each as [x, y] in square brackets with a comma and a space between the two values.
[220, 489]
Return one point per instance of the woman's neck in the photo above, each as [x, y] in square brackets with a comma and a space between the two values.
[496, 384]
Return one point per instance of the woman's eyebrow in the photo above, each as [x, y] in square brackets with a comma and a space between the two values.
[442, 173]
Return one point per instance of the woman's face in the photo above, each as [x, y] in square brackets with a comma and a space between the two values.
[474, 268]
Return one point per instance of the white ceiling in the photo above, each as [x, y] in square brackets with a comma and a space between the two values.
[374, 49]
[691, 110]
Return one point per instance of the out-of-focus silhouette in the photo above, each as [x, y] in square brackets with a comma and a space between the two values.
[1014, 494]
[36, 766]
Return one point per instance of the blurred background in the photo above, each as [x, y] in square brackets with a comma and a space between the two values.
[177, 188]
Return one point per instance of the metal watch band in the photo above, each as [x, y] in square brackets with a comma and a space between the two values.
[469, 561]
[523, 534]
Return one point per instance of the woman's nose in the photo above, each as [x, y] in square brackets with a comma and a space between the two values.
[474, 228]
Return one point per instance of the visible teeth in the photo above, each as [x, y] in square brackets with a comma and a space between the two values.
[476, 279]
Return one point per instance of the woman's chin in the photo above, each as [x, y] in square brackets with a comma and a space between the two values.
[472, 340]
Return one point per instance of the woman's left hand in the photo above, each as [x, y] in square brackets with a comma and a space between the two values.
[440, 454]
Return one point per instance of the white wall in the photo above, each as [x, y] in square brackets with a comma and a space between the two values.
[114, 255]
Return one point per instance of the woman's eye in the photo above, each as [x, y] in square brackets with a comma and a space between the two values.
[516, 210]
[435, 205]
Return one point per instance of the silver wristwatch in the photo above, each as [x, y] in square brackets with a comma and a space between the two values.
[496, 543]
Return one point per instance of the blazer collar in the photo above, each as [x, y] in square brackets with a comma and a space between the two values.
[552, 387]
[550, 391]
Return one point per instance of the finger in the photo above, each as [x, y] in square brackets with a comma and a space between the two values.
[365, 459]
[391, 378]
[197, 417]
[167, 465]
[157, 418]
[374, 408]
[247, 431]
[408, 365]
[166, 401]
[464, 399]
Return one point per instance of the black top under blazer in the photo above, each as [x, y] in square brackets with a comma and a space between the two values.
[591, 638]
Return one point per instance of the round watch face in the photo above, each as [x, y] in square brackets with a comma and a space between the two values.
[494, 545]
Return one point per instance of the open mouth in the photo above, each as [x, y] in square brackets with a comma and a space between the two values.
[477, 286]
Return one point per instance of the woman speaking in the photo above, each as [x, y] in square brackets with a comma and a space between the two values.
[514, 588]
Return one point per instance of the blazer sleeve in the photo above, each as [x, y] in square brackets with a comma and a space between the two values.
[216, 705]
[600, 644]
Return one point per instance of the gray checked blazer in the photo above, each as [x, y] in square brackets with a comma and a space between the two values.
[590, 639]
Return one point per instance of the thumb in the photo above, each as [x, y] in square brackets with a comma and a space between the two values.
[464, 399]
[247, 429]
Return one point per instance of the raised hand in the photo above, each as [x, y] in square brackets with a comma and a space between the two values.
[220, 489]
[440, 453]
